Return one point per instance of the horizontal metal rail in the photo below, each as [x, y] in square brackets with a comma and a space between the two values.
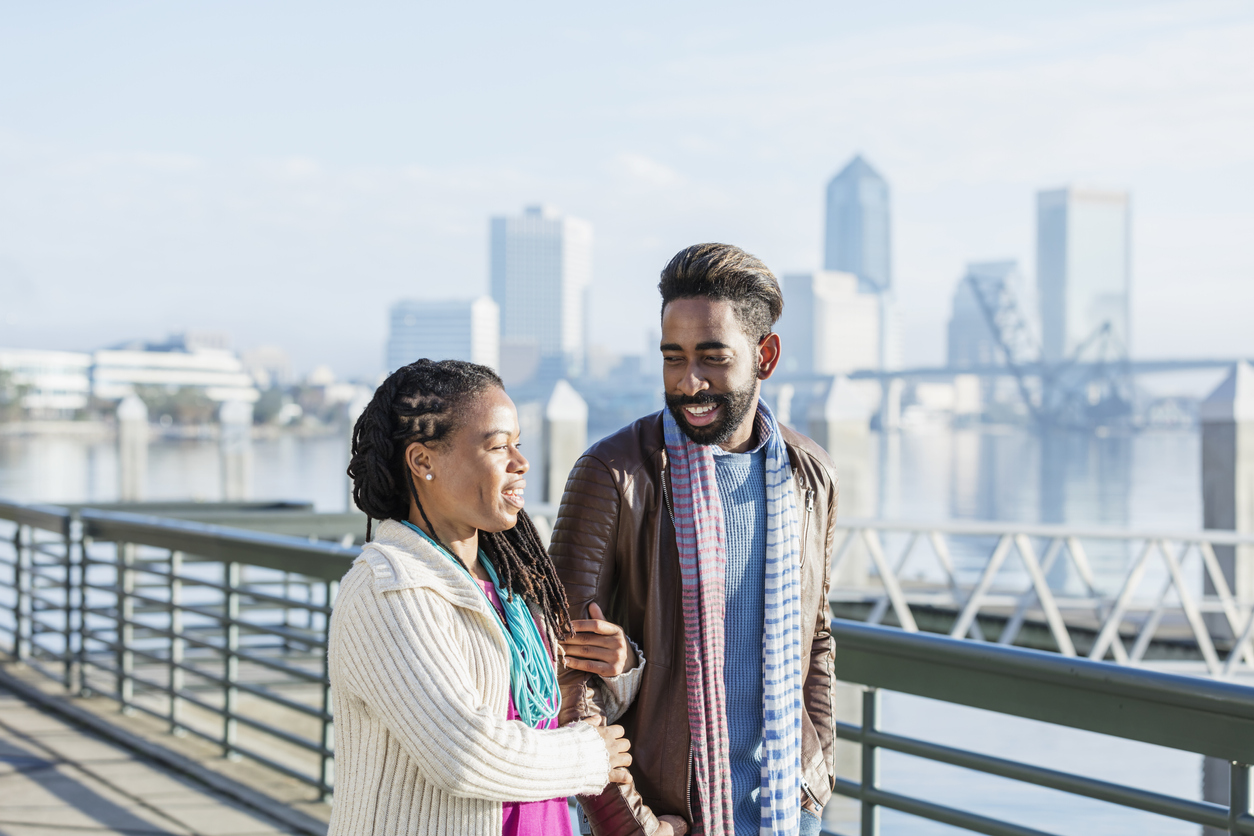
[1202, 716]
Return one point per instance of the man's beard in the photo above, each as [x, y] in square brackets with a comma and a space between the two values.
[735, 405]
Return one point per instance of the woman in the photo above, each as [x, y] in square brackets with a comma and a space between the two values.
[445, 691]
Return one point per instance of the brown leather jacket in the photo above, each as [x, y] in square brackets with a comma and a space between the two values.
[614, 543]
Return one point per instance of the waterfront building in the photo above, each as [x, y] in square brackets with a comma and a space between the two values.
[456, 329]
[48, 384]
[828, 327]
[541, 268]
[178, 363]
[1083, 267]
[972, 343]
[858, 235]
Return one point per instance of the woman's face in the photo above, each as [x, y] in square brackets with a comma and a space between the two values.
[476, 472]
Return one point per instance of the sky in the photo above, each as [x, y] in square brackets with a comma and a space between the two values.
[284, 171]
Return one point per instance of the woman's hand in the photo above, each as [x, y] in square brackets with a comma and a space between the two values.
[671, 826]
[598, 646]
[617, 746]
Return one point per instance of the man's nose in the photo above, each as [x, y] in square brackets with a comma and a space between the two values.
[692, 383]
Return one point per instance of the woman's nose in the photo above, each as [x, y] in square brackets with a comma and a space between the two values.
[521, 465]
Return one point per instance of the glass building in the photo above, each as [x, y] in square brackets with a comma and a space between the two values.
[857, 236]
[1083, 268]
[541, 268]
[444, 330]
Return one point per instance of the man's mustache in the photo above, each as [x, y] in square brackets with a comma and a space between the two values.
[699, 399]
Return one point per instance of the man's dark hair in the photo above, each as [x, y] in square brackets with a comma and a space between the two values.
[423, 402]
[721, 271]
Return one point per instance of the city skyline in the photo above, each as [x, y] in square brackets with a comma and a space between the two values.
[271, 197]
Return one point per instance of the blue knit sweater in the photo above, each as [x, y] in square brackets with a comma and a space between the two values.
[741, 479]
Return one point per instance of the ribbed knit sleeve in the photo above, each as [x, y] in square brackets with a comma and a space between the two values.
[620, 691]
[404, 655]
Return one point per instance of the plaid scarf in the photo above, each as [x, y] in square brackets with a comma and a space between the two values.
[703, 568]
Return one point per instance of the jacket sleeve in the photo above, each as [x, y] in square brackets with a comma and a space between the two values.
[821, 677]
[584, 550]
[401, 656]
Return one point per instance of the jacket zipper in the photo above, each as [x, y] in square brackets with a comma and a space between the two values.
[805, 521]
[666, 496]
[808, 792]
[688, 789]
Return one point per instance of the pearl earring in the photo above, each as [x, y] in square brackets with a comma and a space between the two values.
[430, 476]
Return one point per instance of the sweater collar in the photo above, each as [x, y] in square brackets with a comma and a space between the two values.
[403, 559]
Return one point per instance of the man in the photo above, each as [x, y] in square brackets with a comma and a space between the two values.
[706, 530]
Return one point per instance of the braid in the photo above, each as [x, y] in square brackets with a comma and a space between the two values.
[526, 568]
[421, 402]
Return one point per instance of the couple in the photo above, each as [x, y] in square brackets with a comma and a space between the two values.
[476, 678]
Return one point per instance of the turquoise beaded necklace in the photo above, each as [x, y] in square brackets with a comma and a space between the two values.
[531, 678]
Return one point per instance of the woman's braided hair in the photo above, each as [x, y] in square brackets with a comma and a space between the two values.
[423, 402]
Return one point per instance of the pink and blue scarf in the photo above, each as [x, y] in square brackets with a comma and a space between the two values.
[702, 545]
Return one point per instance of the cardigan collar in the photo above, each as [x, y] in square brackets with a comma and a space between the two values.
[403, 559]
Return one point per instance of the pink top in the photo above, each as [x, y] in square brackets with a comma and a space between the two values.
[530, 818]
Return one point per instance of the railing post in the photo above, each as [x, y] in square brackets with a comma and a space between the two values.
[870, 761]
[326, 764]
[1238, 796]
[125, 634]
[176, 639]
[68, 586]
[84, 563]
[230, 661]
[19, 579]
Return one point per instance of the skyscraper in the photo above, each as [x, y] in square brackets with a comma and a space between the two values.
[444, 330]
[1083, 267]
[857, 239]
[540, 273]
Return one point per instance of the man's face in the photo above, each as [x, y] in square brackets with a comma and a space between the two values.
[711, 369]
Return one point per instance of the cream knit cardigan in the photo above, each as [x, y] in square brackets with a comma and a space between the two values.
[420, 676]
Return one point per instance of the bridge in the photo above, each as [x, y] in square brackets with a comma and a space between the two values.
[210, 621]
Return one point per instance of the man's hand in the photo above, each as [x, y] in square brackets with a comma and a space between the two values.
[616, 745]
[671, 826]
[598, 646]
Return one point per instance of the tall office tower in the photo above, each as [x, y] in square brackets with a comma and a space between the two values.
[541, 271]
[445, 330]
[828, 327]
[1083, 268]
[972, 343]
[858, 238]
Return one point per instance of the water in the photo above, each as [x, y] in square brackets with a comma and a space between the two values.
[1150, 480]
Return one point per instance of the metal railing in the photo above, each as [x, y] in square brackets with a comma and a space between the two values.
[1185, 713]
[219, 632]
[1164, 589]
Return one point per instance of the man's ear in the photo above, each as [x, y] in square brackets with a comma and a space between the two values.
[768, 355]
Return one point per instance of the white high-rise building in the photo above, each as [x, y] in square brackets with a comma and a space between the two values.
[445, 330]
[540, 273]
[1083, 267]
[828, 327]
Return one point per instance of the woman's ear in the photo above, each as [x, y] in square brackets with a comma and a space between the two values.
[418, 460]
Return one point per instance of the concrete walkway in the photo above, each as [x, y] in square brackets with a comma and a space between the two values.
[56, 778]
